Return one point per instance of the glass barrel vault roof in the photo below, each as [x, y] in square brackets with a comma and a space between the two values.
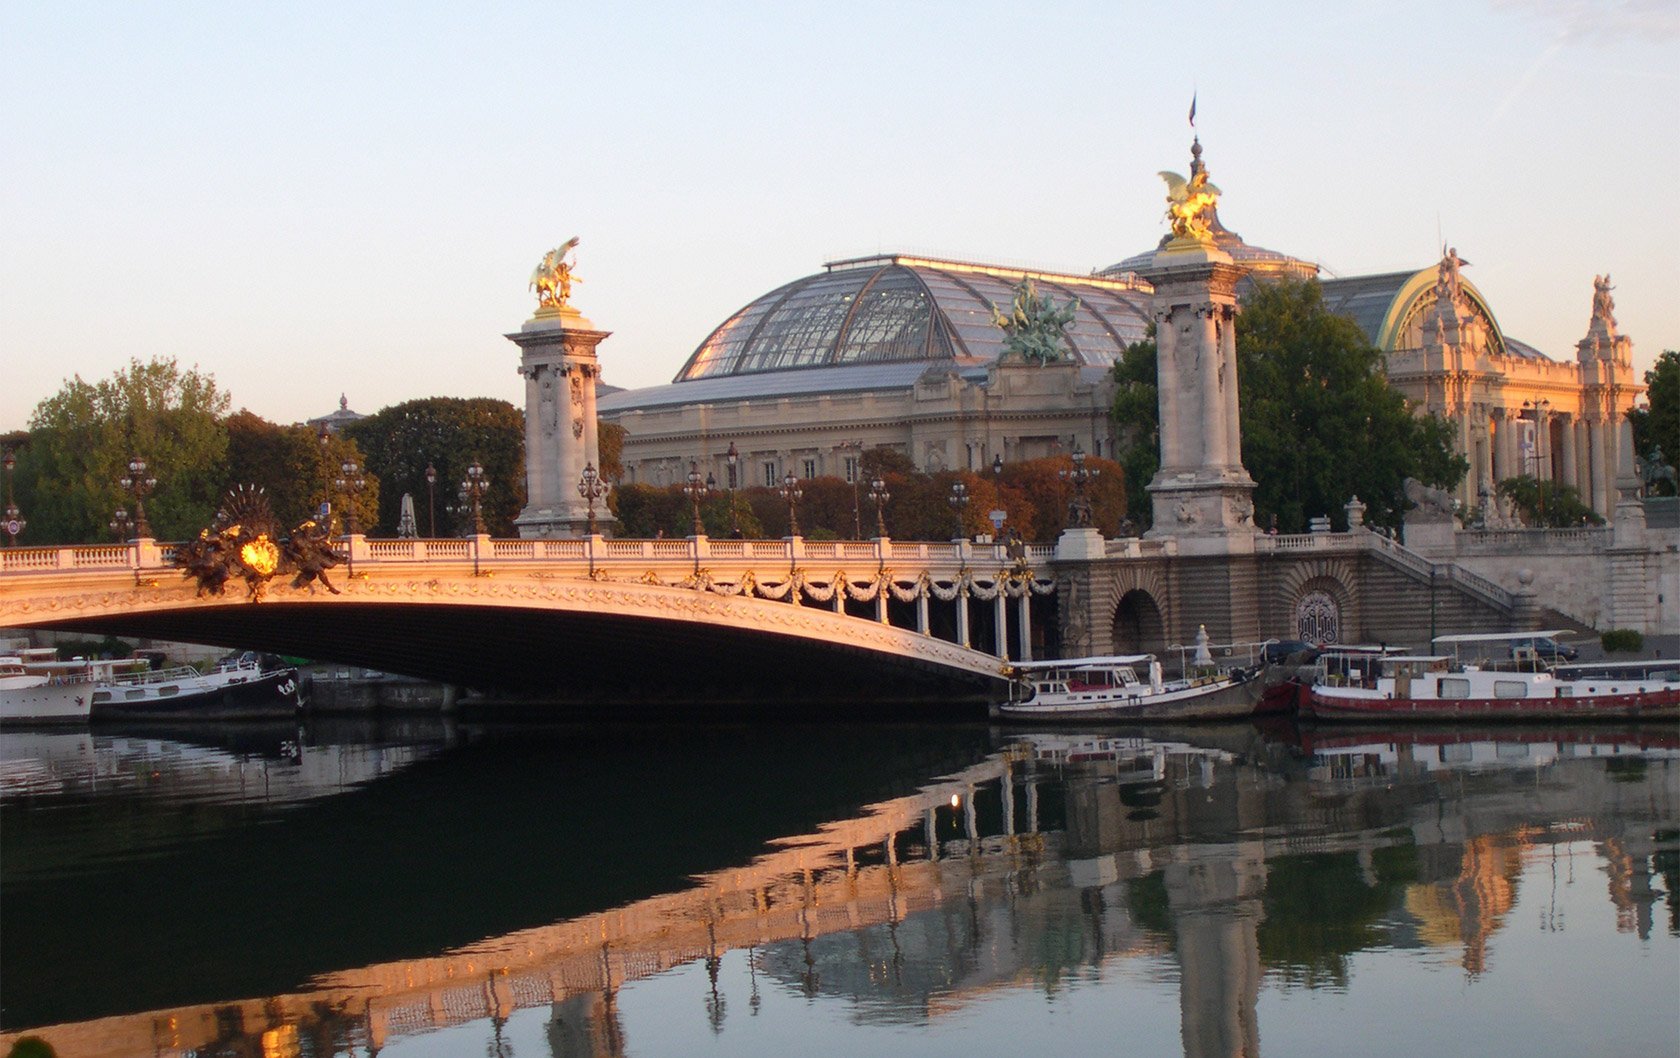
[901, 309]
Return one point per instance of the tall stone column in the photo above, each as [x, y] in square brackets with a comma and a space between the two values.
[557, 358]
[1201, 496]
[1566, 452]
[1485, 481]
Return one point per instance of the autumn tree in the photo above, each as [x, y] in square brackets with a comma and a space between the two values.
[82, 438]
[448, 434]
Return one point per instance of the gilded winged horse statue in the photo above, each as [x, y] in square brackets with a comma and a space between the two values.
[553, 279]
[1190, 204]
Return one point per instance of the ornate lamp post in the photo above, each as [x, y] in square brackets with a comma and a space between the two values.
[696, 491]
[139, 485]
[997, 468]
[1079, 507]
[593, 488]
[15, 524]
[733, 458]
[854, 473]
[959, 502]
[472, 494]
[791, 492]
[324, 440]
[431, 497]
[878, 492]
[121, 524]
[350, 483]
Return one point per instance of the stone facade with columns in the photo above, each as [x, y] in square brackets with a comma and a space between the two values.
[901, 352]
[1513, 410]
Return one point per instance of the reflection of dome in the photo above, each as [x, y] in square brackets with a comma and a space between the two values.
[896, 308]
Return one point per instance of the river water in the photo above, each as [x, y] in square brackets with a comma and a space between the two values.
[432, 889]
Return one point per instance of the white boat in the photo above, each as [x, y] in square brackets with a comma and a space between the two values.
[239, 688]
[34, 690]
[1111, 689]
[1446, 687]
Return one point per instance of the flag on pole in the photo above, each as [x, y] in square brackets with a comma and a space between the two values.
[1192, 109]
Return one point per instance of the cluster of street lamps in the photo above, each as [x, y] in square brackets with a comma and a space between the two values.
[593, 488]
[351, 484]
[697, 489]
[471, 493]
[139, 484]
[1079, 506]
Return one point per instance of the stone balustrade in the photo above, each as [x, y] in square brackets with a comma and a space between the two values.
[596, 551]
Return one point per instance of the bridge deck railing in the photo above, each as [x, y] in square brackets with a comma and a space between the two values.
[593, 551]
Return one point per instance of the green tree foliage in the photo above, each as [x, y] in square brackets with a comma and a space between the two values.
[447, 433]
[82, 437]
[1137, 414]
[297, 469]
[1658, 427]
[1548, 504]
[1320, 422]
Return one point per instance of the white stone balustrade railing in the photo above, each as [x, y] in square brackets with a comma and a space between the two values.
[1530, 541]
[592, 552]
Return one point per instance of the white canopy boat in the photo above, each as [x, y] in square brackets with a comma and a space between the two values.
[1111, 688]
[34, 690]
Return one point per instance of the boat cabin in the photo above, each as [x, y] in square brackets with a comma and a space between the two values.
[1086, 675]
[1531, 651]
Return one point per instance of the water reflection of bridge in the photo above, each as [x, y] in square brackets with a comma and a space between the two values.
[1187, 849]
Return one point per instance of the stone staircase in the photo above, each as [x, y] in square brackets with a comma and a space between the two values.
[1406, 598]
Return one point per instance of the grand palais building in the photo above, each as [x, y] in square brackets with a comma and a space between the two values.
[901, 352]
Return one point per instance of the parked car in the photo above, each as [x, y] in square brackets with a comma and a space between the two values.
[1278, 651]
[1546, 648]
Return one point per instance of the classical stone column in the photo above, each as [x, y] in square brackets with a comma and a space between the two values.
[1566, 453]
[561, 370]
[1202, 494]
[1484, 461]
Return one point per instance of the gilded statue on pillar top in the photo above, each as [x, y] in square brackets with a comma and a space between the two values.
[1190, 203]
[553, 278]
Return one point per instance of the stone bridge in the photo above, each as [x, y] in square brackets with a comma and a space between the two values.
[694, 620]
[688, 621]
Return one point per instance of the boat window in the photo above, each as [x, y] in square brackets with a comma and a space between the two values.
[164, 692]
[1510, 689]
[1454, 687]
[101, 696]
[132, 695]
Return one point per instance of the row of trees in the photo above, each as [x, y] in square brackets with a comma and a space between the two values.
[1033, 495]
[1320, 425]
[80, 440]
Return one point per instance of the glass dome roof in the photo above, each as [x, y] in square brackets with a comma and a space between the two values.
[898, 308]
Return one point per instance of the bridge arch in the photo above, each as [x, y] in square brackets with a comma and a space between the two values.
[1139, 625]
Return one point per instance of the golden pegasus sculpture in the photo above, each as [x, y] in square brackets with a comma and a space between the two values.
[1190, 205]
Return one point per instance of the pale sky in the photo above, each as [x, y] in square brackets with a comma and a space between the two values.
[313, 198]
